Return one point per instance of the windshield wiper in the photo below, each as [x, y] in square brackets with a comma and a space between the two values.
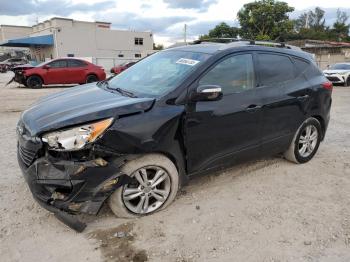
[124, 92]
[118, 89]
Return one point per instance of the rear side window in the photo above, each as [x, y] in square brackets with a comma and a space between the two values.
[76, 63]
[234, 74]
[300, 66]
[275, 68]
[58, 64]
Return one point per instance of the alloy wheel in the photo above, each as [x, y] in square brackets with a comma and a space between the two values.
[148, 192]
[308, 141]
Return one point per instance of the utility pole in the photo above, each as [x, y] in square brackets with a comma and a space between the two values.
[185, 34]
[307, 20]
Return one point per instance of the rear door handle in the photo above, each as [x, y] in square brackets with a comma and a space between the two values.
[253, 108]
[304, 97]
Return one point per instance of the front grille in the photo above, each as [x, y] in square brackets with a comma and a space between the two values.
[26, 155]
[333, 78]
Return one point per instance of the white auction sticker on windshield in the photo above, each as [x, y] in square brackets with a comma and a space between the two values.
[186, 61]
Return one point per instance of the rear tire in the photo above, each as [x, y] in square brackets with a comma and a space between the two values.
[305, 142]
[347, 82]
[34, 82]
[91, 79]
[124, 205]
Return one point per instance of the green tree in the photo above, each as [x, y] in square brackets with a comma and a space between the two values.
[313, 20]
[222, 30]
[265, 19]
[158, 47]
[340, 30]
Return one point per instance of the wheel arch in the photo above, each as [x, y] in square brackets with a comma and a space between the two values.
[37, 75]
[323, 124]
[91, 74]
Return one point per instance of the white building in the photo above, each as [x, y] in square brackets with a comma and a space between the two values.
[94, 41]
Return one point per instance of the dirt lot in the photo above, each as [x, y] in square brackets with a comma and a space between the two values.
[267, 210]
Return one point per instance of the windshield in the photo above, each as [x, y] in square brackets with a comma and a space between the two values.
[43, 63]
[341, 67]
[158, 74]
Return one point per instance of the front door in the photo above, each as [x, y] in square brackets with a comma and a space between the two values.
[217, 132]
[57, 72]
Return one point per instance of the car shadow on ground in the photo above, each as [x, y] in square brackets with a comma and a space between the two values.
[195, 184]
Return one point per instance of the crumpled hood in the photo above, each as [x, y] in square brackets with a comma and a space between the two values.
[336, 71]
[79, 105]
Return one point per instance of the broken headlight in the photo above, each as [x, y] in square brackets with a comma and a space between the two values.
[77, 137]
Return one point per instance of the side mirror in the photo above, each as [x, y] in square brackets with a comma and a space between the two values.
[207, 93]
[46, 67]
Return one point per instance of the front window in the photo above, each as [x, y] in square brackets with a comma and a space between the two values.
[158, 74]
[340, 67]
[234, 74]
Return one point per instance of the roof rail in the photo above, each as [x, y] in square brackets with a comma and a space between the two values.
[235, 41]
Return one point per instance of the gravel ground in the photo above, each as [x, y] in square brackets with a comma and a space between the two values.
[266, 210]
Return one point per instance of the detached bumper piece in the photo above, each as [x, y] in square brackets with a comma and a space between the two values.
[67, 188]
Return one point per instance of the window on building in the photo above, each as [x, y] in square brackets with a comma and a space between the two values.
[58, 64]
[76, 63]
[120, 55]
[137, 55]
[275, 68]
[234, 74]
[138, 41]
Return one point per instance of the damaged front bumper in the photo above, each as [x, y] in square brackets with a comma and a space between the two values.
[68, 187]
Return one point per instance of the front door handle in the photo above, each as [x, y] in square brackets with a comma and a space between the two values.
[253, 108]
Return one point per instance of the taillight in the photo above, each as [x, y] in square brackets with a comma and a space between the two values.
[327, 85]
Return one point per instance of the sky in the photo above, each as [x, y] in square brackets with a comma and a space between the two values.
[165, 18]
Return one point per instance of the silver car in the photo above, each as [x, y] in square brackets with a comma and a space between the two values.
[339, 74]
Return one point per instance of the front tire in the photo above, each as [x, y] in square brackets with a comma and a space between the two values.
[34, 82]
[154, 188]
[347, 82]
[305, 142]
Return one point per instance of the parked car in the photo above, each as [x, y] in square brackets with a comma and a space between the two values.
[58, 71]
[8, 64]
[120, 68]
[339, 74]
[135, 139]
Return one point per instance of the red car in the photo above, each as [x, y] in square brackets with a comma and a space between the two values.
[59, 71]
[120, 68]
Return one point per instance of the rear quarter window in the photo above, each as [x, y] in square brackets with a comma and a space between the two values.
[306, 68]
[275, 68]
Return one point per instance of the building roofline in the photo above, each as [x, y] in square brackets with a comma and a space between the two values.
[23, 26]
[101, 22]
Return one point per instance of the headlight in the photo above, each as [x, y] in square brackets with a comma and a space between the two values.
[76, 138]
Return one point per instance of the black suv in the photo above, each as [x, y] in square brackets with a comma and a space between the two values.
[136, 138]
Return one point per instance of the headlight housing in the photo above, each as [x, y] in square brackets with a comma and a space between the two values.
[77, 137]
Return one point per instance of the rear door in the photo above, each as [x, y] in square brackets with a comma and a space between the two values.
[57, 73]
[217, 132]
[76, 71]
[284, 94]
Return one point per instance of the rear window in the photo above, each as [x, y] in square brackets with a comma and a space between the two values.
[76, 63]
[275, 68]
